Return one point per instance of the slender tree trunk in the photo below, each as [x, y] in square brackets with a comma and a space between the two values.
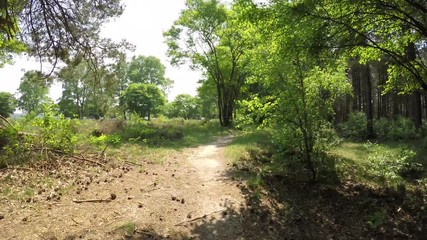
[418, 117]
[369, 108]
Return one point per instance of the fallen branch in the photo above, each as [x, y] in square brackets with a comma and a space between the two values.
[87, 160]
[70, 155]
[92, 200]
[198, 218]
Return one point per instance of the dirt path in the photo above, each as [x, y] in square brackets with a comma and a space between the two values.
[190, 196]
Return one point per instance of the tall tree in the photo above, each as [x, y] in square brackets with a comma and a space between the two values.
[374, 28]
[149, 70]
[33, 90]
[143, 99]
[85, 95]
[75, 78]
[294, 83]
[211, 38]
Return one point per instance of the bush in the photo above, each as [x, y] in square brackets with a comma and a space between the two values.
[391, 167]
[402, 129]
[291, 152]
[382, 127]
[153, 131]
[326, 138]
[14, 148]
[55, 131]
[106, 140]
[355, 127]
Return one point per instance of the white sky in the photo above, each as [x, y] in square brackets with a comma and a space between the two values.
[142, 24]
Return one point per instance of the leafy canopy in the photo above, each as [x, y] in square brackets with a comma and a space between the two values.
[143, 99]
[149, 70]
[33, 90]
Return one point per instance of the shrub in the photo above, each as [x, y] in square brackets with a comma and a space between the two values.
[382, 127]
[106, 140]
[390, 167]
[293, 152]
[402, 129]
[355, 127]
[14, 147]
[55, 131]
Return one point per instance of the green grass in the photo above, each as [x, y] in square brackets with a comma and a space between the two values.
[377, 163]
[245, 141]
[358, 152]
[156, 140]
[134, 139]
[126, 228]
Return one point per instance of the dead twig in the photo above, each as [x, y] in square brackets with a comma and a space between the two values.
[103, 151]
[87, 160]
[70, 155]
[92, 200]
[75, 221]
[198, 218]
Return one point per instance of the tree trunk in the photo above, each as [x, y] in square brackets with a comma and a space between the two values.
[418, 117]
[369, 108]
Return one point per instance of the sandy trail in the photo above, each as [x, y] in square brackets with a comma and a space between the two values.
[190, 196]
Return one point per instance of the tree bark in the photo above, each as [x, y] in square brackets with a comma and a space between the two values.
[369, 108]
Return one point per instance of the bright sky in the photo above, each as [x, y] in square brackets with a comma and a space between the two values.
[142, 24]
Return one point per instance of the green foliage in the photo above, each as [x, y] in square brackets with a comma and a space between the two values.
[211, 38]
[377, 219]
[148, 70]
[300, 112]
[171, 133]
[382, 127]
[55, 131]
[390, 167]
[33, 89]
[355, 127]
[41, 25]
[7, 104]
[373, 31]
[399, 129]
[184, 106]
[106, 140]
[207, 99]
[14, 148]
[402, 128]
[143, 99]
[138, 130]
[76, 80]
[87, 92]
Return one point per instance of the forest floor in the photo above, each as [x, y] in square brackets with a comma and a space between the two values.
[187, 196]
[196, 193]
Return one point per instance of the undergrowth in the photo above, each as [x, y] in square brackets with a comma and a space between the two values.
[380, 187]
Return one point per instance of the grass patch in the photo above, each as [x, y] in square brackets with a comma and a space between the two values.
[127, 229]
[382, 163]
[156, 140]
[242, 144]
